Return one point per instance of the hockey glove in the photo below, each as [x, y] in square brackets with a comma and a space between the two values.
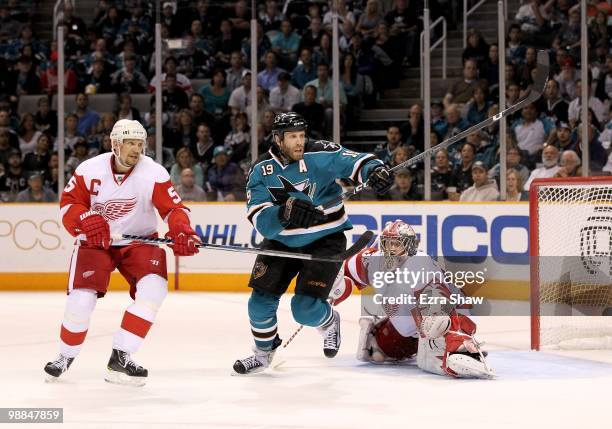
[185, 240]
[380, 179]
[462, 355]
[300, 213]
[96, 229]
[459, 337]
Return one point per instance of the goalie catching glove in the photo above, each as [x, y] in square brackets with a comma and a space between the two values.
[185, 240]
[96, 229]
[300, 213]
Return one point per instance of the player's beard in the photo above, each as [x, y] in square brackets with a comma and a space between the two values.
[291, 157]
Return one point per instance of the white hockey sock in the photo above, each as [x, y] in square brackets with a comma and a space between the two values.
[79, 306]
[139, 317]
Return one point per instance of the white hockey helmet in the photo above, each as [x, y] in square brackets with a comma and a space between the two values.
[127, 129]
[398, 239]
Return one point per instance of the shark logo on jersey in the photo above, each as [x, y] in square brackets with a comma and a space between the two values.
[115, 209]
[329, 145]
[281, 194]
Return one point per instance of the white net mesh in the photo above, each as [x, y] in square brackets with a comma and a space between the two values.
[574, 264]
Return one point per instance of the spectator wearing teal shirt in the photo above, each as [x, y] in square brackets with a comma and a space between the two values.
[216, 94]
[305, 71]
[478, 107]
[286, 45]
[324, 87]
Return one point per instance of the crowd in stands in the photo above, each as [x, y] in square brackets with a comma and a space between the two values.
[544, 139]
[206, 127]
[206, 87]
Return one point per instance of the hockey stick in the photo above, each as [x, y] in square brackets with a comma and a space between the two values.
[362, 242]
[291, 338]
[284, 346]
[542, 72]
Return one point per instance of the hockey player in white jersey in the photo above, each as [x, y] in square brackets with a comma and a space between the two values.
[118, 193]
[440, 335]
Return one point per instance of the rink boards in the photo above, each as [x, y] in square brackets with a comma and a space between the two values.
[493, 237]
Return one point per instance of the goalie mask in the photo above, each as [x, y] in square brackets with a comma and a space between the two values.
[126, 129]
[398, 241]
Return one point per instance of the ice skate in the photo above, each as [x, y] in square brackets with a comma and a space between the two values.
[331, 336]
[57, 367]
[123, 370]
[258, 361]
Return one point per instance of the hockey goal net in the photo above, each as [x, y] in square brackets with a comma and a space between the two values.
[571, 263]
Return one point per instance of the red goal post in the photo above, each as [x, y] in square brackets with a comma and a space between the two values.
[571, 259]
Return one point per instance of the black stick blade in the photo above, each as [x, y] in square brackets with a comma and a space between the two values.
[359, 245]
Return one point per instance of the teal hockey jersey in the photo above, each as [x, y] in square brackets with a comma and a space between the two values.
[313, 178]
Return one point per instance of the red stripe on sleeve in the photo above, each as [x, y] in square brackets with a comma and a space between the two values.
[361, 271]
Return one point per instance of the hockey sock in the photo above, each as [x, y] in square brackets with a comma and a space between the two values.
[262, 315]
[79, 306]
[139, 317]
[311, 311]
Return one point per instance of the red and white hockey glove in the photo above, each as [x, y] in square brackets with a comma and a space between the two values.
[459, 342]
[96, 229]
[342, 289]
[185, 240]
[459, 337]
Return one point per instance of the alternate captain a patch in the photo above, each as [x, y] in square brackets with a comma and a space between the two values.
[282, 193]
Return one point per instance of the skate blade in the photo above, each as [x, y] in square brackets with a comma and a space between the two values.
[116, 377]
[51, 378]
[248, 374]
[278, 364]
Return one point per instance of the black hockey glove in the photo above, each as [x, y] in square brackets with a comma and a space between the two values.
[300, 213]
[380, 179]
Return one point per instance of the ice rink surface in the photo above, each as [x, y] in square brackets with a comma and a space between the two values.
[190, 350]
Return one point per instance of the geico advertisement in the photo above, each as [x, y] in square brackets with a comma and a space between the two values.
[456, 231]
[32, 238]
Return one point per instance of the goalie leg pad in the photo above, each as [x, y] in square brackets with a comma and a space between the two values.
[435, 326]
[431, 358]
[366, 325]
[431, 354]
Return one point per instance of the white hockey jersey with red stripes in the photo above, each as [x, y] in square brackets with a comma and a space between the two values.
[127, 203]
[368, 268]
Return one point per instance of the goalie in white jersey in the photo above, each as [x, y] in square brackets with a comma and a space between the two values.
[118, 193]
[441, 336]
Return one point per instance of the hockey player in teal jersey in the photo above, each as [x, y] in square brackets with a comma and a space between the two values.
[284, 190]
